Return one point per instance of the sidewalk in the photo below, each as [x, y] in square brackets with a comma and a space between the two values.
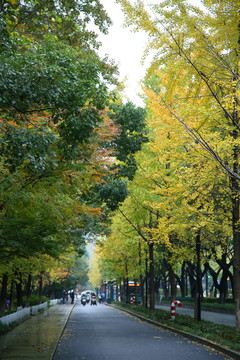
[37, 337]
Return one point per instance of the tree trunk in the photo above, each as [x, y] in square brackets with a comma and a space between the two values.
[3, 293]
[142, 290]
[124, 291]
[181, 280]
[136, 291]
[11, 295]
[206, 284]
[141, 277]
[197, 308]
[224, 283]
[186, 283]
[53, 291]
[121, 291]
[151, 271]
[172, 283]
[128, 290]
[182, 284]
[214, 275]
[223, 287]
[165, 287]
[146, 282]
[235, 199]
[19, 290]
[236, 246]
[40, 289]
[28, 290]
[192, 279]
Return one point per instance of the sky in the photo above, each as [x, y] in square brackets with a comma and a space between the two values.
[126, 48]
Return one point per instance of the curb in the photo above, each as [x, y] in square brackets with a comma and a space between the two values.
[59, 337]
[199, 339]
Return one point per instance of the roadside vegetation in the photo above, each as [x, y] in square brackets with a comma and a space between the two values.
[156, 189]
[61, 131]
[179, 226]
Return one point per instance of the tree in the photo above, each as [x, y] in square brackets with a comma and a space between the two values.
[53, 126]
[130, 122]
[52, 100]
[190, 187]
[66, 20]
[133, 135]
[206, 43]
[95, 276]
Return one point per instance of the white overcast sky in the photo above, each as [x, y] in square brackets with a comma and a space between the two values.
[126, 48]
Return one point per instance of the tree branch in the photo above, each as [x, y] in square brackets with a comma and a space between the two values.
[195, 135]
[134, 227]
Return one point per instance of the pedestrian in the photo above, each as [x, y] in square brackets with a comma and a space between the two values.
[72, 297]
[7, 304]
[63, 296]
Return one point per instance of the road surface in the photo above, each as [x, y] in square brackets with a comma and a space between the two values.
[218, 318]
[104, 333]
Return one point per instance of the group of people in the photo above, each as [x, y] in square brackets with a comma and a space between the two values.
[65, 296]
[91, 298]
[88, 298]
[100, 298]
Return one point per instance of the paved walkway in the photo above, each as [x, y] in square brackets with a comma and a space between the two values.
[37, 337]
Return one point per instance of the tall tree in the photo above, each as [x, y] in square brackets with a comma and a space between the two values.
[54, 89]
[130, 121]
[206, 43]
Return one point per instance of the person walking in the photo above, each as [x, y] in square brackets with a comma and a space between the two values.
[72, 297]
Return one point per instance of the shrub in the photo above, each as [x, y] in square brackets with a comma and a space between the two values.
[3, 328]
[34, 300]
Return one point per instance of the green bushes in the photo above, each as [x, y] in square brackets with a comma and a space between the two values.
[34, 300]
[3, 328]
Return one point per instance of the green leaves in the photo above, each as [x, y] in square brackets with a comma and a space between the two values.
[66, 20]
[113, 193]
[53, 88]
[133, 134]
[133, 130]
[50, 74]
[28, 148]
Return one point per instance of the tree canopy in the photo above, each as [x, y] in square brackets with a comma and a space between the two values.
[192, 95]
[53, 126]
[59, 132]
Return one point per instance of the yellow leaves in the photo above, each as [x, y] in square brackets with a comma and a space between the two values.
[191, 98]
[160, 235]
[95, 276]
[93, 211]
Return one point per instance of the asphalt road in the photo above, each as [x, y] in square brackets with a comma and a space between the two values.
[104, 333]
[218, 318]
